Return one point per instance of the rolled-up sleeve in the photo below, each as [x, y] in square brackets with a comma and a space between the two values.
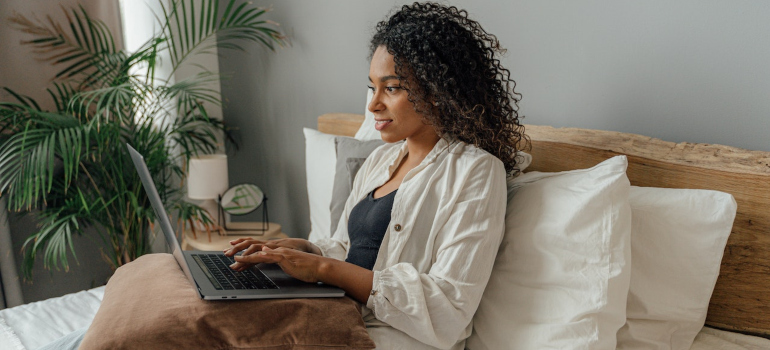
[437, 307]
[335, 246]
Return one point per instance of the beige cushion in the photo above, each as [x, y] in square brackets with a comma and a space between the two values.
[149, 304]
[351, 154]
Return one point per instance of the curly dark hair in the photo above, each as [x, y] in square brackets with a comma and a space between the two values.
[448, 65]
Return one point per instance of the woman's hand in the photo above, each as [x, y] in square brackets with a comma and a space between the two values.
[293, 258]
[298, 264]
[302, 260]
[250, 245]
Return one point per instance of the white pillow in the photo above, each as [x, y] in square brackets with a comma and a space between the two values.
[367, 130]
[678, 238]
[320, 168]
[320, 163]
[562, 273]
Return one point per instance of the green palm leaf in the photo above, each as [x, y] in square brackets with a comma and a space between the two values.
[28, 159]
[71, 165]
[54, 239]
[185, 36]
[25, 101]
[82, 47]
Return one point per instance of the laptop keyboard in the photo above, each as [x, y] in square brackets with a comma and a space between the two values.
[217, 269]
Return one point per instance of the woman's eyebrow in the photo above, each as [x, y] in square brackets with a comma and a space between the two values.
[386, 78]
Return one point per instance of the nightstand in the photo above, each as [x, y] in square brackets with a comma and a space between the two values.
[219, 243]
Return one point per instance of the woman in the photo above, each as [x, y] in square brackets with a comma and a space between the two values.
[421, 228]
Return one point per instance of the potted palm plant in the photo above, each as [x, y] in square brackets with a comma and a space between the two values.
[69, 166]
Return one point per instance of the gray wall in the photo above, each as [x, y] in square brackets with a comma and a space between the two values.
[695, 71]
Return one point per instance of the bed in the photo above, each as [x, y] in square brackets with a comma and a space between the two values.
[738, 309]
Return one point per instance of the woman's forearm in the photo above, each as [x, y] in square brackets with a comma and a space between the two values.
[355, 280]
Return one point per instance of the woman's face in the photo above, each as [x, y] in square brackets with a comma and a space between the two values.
[395, 117]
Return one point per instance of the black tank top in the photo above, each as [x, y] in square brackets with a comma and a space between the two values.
[367, 224]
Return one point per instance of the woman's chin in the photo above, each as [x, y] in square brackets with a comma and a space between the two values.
[389, 138]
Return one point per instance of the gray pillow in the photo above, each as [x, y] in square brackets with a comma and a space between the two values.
[351, 153]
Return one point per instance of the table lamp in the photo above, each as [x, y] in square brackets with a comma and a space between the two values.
[207, 180]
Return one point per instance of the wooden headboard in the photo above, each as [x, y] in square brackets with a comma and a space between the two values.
[741, 298]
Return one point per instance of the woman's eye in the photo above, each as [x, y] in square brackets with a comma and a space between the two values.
[389, 89]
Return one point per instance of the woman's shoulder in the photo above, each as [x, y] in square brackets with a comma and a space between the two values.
[470, 153]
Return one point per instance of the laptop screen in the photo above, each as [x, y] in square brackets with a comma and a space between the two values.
[160, 211]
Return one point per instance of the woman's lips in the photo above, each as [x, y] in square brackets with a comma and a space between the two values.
[381, 124]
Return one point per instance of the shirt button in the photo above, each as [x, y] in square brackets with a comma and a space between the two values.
[397, 227]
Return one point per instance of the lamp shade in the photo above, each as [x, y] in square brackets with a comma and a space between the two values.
[207, 178]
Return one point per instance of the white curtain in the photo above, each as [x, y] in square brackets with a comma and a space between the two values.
[21, 72]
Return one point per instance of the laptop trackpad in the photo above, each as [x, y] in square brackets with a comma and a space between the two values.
[282, 279]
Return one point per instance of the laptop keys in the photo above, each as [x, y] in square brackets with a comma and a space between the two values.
[218, 271]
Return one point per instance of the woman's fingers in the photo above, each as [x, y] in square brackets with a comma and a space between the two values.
[252, 249]
[244, 261]
[290, 243]
[266, 255]
[240, 244]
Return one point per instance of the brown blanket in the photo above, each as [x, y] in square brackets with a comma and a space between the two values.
[160, 310]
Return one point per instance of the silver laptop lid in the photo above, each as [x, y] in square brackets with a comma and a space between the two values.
[160, 211]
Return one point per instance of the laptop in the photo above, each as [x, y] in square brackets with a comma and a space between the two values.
[209, 271]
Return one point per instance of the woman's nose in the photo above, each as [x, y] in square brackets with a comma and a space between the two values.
[375, 105]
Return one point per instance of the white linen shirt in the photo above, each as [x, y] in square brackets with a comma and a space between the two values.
[446, 226]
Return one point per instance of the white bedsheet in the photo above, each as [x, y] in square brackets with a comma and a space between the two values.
[714, 339]
[33, 325]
